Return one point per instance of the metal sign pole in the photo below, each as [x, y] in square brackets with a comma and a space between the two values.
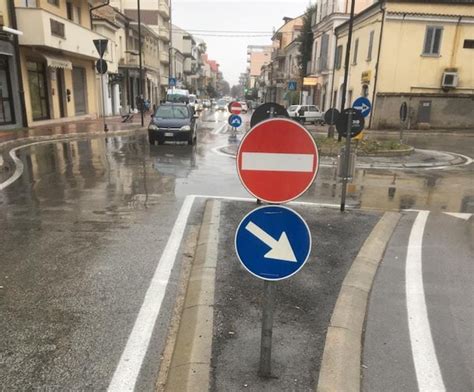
[347, 155]
[103, 100]
[267, 329]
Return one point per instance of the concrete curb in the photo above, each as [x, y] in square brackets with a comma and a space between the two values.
[191, 361]
[67, 136]
[340, 366]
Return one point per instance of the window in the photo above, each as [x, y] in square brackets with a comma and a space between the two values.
[69, 10]
[371, 43]
[6, 99]
[338, 57]
[356, 49]
[57, 28]
[54, 2]
[468, 44]
[432, 40]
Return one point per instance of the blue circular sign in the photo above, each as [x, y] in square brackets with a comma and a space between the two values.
[273, 242]
[363, 105]
[235, 121]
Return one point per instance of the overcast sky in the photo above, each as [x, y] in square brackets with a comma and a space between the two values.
[233, 15]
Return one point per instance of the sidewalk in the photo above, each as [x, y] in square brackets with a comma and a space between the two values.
[67, 128]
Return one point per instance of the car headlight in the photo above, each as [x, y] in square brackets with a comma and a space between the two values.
[153, 127]
[185, 128]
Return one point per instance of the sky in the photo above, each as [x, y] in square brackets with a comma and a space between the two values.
[219, 16]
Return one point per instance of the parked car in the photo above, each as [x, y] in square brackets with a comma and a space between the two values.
[245, 108]
[222, 104]
[206, 104]
[306, 113]
[173, 121]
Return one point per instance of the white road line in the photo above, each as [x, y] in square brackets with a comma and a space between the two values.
[263, 161]
[128, 368]
[459, 215]
[427, 368]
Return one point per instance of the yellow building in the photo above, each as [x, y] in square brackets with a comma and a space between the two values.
[417, 52]
[57, 56]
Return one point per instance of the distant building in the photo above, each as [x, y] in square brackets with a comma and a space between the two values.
[257, 56]
[415, 52]
[285, 40]
[156, 15]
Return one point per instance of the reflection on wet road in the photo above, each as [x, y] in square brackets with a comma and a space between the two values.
[83, 228]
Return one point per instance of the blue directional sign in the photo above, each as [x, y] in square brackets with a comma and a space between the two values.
[292, 85]
[172, 82]
[363, 105]
[235, 121]
[273, 242]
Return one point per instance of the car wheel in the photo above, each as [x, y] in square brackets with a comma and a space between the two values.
[191, 140]
[151, 140]
[161, 142]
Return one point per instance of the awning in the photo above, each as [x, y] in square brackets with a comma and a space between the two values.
[57, 62]
[10, 30]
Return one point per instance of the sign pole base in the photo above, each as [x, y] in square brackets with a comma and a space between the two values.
[267, 329]
[347, 156]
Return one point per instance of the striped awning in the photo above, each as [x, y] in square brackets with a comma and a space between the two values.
[57, 62]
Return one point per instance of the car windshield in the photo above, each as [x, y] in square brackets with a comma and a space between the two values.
[168, 112]
[292, 108]
[221, 102]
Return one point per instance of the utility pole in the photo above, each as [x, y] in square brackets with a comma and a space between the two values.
[347, 59]
[170, 49]
[140, 82]
[349, 122]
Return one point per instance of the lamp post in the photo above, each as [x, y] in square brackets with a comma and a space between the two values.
[140, 82]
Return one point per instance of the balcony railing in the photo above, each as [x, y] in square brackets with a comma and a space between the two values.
[164, 57]
[321, 64]
[278, 53]
[164, 9]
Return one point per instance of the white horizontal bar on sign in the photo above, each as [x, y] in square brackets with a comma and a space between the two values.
[277, 162]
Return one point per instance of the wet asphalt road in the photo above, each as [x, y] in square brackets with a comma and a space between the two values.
[83, 229]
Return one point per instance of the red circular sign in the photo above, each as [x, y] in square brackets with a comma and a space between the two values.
[235, 107]
[277, 160]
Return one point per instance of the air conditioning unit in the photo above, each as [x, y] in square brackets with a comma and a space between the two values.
[449, 80]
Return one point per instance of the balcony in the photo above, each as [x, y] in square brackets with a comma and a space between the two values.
[321, 64]
[164, 57]
[43, 29]
[278, 75]
[164, 33]
[132, 59]
[278, 53]
[164, 9]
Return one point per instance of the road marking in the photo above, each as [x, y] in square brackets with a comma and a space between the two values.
[427, 368]
[278, 162]
[128, 368]
[459, 215]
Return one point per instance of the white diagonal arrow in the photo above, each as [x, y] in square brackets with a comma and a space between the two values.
[280, 250]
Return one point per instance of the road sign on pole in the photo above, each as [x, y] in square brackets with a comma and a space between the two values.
[101, 66]
[357, 122]
[101, 46]
[235, 107]
[273, 242]
[277, 160]
[292, 85]
[363, 105]
[266, 111]
[172, 82]
[235, 120]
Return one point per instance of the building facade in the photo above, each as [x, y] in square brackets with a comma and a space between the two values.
[328, 15]
[57, 56]
[283, 41]
[415, 52]
[257, 57]
[11, 103]
[156, 15]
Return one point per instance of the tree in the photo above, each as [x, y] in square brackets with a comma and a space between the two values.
[236, 91]
[223, 88]
[211, 91]
[306, 39]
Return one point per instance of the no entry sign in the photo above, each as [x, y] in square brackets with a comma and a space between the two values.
[277, 160]
[235, 107]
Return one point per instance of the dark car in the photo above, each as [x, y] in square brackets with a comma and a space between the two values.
[174, 122]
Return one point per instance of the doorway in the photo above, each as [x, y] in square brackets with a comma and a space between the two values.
[61, 92]
[79, 87]
[38, 90]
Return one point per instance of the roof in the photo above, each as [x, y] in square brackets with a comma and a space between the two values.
[109, 14]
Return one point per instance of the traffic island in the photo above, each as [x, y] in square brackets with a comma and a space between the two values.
[303, 303]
